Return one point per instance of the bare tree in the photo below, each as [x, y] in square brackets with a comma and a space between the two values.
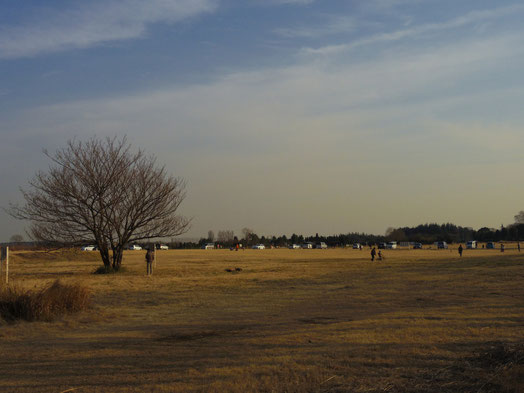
[225, 236]
[248, 235]
[101, 192]
[397, 235]
[210, 236]
[17, 238]
[519, 217]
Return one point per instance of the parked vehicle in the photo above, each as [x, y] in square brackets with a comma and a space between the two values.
[490, 245]
[356, 246]
[294, 246]
[417, 246]
[88, 248]
[391, 245]
[442, 245]
[258, 247]
[321, 245]
[162, 247]
[307, 245]
[471, 244]
[135, 247]
[381, 246]
[208, 246]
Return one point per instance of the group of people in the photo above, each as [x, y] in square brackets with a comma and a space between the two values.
[374, 253]
[460, 251]
[502, 247]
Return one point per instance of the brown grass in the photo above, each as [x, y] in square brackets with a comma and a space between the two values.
[288, 321]
[45, 304]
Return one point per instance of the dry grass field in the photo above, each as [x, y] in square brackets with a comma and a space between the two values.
[288, 321]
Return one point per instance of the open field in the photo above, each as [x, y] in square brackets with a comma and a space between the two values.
[289, 321]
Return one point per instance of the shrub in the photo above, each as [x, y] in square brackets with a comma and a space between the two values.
[45, 304]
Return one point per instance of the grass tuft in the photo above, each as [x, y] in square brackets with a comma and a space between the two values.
[46, 304]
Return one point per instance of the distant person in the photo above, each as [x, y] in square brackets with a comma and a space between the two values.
[460, 250]
[518, 246]
[380, 256]
[150, 257]
[373, 253]
[501, 247]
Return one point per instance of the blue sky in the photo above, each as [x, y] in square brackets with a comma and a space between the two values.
[283, 115]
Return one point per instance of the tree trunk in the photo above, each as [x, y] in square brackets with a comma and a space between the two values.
[104, 253]
[117, 258]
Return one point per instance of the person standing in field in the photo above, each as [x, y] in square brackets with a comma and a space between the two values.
[460, 250]
[518, 246]
[373, 253]
[149, 261]
[501, 247]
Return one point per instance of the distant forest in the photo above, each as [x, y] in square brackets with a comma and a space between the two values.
[424, 233]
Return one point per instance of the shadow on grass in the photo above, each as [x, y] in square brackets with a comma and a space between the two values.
[109, 270]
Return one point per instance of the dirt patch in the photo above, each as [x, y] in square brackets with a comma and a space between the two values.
[318, 320]
[189, 336]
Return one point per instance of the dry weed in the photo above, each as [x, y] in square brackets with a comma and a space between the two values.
[45, 304]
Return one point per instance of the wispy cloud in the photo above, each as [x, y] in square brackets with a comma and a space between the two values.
[333, 25]
[272, 3]
[293, 102]
[289, 1]
[93, 23]
[468, 19]
[388, 4]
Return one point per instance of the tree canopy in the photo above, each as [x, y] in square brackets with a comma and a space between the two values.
[100, 191]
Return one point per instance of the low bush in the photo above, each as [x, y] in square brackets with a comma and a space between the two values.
[46, 304]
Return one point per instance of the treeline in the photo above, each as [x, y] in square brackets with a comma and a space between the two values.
[252, 238]
[284, 241]
[430, 233]
[424, 233]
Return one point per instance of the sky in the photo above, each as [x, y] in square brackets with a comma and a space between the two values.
[284, 116]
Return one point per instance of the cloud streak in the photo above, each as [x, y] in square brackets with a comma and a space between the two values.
[280, 2]
[465, 20]
[335, 25]
[93, 23]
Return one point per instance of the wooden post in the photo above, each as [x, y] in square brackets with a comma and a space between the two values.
[7, 265]
[4, 257]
